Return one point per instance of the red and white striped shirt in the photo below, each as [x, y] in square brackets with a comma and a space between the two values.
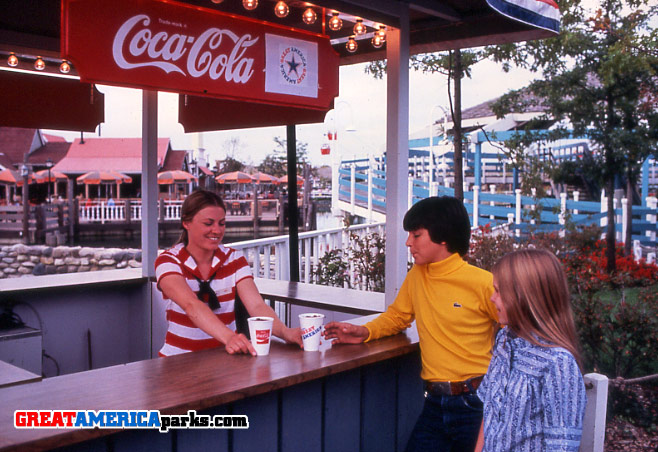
[228, 266]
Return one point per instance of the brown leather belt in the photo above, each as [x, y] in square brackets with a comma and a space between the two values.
[437, 388]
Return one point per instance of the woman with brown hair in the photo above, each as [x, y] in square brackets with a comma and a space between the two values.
[533, 393]
[201, 278]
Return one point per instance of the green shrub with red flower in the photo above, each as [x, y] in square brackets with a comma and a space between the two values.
[616, 315]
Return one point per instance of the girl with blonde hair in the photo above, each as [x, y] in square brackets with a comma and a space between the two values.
[533, 393]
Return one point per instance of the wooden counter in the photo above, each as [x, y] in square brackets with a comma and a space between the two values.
[213, 379]
[338, 299]
[11, 375]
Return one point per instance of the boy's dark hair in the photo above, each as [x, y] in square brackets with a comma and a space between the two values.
[446, 220]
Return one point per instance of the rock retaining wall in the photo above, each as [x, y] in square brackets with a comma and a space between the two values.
[20, 260]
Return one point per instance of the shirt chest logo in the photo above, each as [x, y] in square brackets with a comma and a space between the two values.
[456, 305]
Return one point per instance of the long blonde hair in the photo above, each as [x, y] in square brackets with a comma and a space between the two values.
[533, 289]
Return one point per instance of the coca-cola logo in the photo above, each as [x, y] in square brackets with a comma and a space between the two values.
[262, 336]
[217, 53]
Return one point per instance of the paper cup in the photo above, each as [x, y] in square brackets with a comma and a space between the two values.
[260, 330]
[311, 325]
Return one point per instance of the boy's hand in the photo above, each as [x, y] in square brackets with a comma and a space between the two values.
[293, 336]
[345, 333]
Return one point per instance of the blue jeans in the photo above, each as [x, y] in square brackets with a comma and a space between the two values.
[447, 423]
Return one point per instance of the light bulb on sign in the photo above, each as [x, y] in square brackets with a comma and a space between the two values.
[12, 60]
[250, 4]
[351, 45]
[64, 67]
[281, 9]
[381, 33]
[359, 28]
[217, 2]
[335, 23]
[376, 42]
[39, 64]
[309, 17]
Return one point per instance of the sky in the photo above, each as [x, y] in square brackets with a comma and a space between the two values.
[361, 106]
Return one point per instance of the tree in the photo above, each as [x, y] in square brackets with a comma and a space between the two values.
[456, 64]
[276, 162]
[600, 75]
[229, 164]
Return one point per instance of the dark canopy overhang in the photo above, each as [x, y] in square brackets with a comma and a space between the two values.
[34, 28]
[44, 102]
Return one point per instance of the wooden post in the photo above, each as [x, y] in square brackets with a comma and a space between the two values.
[256, 212]
[128, 211]
[595, 413]
[307, 196]
[281, 229]
[73, 210]
[40, 233]
[26, 211]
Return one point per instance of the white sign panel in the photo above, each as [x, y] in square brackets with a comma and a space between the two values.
[291, 66]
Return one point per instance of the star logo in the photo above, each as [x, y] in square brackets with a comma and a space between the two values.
[292, 65]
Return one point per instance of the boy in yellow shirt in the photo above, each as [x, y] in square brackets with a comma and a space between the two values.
[449, 299]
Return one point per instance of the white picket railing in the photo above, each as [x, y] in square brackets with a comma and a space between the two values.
[104, 212]
[268, 257]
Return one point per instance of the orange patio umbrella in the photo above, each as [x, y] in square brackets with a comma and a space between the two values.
[175, 177]
[12, 177]
[235, 177]
[104, 177]
[264, 178]
[41, 177]
[284, 180]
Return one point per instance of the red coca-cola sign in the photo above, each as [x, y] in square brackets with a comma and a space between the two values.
[169, 46]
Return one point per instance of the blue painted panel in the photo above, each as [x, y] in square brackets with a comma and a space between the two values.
[190, 440]
[495, 210]
[301, 417]
[95, 445]
[420, 192]
[342, 411]
[378, 398]
[585, 206]
[410, 396]
[446, 191]
[379, 192]
[263, 414]
[144, 440]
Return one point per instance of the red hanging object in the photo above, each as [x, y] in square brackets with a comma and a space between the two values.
[325, 149]
[330, 136]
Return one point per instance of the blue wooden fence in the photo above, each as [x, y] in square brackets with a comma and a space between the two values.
[361, 182]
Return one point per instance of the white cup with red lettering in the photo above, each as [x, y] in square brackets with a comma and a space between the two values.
[311, 325]
[260, 330]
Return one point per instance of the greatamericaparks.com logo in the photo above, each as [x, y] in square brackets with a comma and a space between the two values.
[124, 419]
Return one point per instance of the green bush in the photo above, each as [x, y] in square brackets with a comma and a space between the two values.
[366, 254]
[332, 269]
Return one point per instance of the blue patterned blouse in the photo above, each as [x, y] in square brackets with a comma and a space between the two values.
[534, 398]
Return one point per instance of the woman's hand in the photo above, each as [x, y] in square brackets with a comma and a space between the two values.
[238, 343]
[345, 333]
[293, 336]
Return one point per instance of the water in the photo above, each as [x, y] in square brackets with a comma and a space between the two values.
[136, 241]
[325, 220]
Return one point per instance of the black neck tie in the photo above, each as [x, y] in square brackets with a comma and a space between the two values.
[206, 294]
